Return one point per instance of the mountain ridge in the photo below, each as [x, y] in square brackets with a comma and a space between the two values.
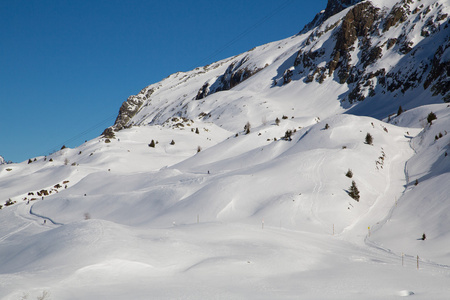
[360, 47]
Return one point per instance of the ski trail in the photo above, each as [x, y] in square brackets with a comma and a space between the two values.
[409, 258]
[318, 186]
[14, 232]
[43, 217]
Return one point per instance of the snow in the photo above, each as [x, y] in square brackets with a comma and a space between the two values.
[250, 216]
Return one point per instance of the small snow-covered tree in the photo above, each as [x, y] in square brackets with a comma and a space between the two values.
[277, 122]
[152, 144]
[431, 116]
[287, 135]
[353, 191]
[172, 142]
[199, 149]
[349, 173]
[247, 128]
[369, 139]
[400, 110]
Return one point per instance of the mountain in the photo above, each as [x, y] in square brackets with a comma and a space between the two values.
[315, 167]
[372, 57]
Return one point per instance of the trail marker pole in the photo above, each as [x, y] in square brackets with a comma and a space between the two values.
[403, 255]
[368, 229]
[262, 224]
[198, 219]
[417, 262]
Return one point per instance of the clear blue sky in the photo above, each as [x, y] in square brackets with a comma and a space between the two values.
[66, 66]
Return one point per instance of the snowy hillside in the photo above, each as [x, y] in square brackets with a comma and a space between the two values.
[262, 176]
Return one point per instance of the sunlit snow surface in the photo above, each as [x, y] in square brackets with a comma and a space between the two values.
[249, 216]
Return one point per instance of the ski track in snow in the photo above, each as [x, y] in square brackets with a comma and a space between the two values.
[43, 217]
[318, 185]
[15, 231]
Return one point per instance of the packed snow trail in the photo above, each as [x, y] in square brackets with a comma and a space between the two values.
[43, 217]
[14, 232]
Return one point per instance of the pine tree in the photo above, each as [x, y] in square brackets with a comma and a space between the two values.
[431, 116]
[400, 110]
[353, 191]
[152, 144]
[369, 139]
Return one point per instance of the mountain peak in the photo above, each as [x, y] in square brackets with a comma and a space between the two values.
[333, 7]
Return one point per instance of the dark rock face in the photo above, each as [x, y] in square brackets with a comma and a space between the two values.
[333, 7]
[235, 74]
[360, 33]
[128, 110]
[439, 76]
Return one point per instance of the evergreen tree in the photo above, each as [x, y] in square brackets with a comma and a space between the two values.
[369, 139]
[152, 144]
[353, 191]
[400, 110]
[431, 116]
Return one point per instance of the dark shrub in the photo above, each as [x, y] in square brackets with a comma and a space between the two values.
[431, 116]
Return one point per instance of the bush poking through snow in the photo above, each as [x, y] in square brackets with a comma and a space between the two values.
[45, 296]
[369, 139]
[152, 144]
[327, 126]
[247, 128]
[424, 237]
[277, 122]
[349, 173]
[287, 135]
[431, 116]
[172, 142]
[353, 191]
[199, 149]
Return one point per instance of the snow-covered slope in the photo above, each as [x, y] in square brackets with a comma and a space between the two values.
[234, 181]
[370, 58]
